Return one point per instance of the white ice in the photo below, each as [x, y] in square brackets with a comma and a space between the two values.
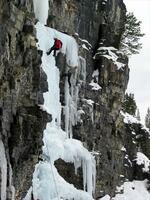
[47, 183]
[3, 171]
[82, 62]
[41, 10]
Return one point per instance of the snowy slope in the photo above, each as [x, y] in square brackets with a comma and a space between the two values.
[135, 190]
[47, 183]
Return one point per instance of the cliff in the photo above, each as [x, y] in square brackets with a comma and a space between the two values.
[103, 78]
[22, 83]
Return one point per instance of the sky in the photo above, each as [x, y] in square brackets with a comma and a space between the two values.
[139, 82]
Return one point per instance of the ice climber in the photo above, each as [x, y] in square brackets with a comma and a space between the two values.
[32, 197]
[57, 45]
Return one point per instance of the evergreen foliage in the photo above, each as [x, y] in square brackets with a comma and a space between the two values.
[147, 119]
[130, 39]
[129, 104]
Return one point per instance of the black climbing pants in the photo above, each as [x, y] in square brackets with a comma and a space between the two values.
[53, 48]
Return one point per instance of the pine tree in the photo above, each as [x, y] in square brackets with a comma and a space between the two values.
[138, 115]
[129, 104]
[130, 39]
[147, 119]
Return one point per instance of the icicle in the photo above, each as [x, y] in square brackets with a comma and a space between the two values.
[93, 174]
[47, 183]
[82, 68]
[67, 110]
[89, 177]
[84, 169]
[71, 101]
[89, 174]
[12, 188]
[77, 164]
[3, 170]
[41, 8]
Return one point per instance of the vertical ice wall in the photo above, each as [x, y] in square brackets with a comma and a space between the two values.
[71, 101]
[41, 10]
[47, 183]
[72, 95]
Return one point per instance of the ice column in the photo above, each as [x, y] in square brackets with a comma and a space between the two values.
[3, 170]
[41, 8]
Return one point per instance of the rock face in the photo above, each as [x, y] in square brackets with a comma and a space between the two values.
[101, 24]
[98, 26]
[21, 86]
[101, 129]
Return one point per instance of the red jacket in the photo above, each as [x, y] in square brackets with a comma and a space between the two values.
[58, 43]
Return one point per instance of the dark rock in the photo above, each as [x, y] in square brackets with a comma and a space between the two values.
[23, 82]
[102, 26]
[21, 120]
